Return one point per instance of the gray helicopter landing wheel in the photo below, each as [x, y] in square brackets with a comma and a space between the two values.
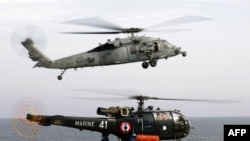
[184, 54]
[145, 65]
[153, 63]
[59, 77]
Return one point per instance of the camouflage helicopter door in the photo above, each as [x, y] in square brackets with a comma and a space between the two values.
[164, 124]
[145, 124]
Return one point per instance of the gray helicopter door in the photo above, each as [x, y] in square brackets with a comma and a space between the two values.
[157, 47]
[114, 56]
[146, 124]
[132, 53]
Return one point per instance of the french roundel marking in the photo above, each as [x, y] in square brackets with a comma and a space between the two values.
[125, 127]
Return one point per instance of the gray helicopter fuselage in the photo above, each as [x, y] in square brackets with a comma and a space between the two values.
[119, 51]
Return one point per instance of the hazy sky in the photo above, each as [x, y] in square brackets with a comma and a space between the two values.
[217, 65]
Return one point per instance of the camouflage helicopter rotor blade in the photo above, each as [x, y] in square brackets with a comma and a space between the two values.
[113, 92]
[133, 94]
[141, 97]
[105, 99]
[121, 94]
[203, 100]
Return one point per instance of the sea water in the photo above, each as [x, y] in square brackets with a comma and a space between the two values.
[204, 129]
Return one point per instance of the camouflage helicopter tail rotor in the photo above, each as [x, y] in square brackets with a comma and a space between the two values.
[20, 124]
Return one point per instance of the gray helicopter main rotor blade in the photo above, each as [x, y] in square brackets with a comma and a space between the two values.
[98, 32]
[165, 30]
[179, 21]
[100, 23]
[95, 22]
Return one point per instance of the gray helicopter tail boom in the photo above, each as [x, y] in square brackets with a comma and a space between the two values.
[36, 55]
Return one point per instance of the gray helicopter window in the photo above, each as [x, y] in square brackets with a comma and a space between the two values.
[157, 47]
[102, 48]
[167, 44]
[144, 43]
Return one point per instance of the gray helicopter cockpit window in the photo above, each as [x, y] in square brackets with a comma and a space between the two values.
[167, 44]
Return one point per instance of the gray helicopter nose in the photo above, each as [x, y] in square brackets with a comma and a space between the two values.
[177, 51]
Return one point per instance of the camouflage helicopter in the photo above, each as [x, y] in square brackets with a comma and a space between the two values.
[143, 124]
[119, 51]
[125, 123]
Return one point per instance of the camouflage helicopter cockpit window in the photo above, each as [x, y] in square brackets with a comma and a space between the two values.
[162, 116]
[179, 121]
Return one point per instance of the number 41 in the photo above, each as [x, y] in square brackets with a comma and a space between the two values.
[103, 124]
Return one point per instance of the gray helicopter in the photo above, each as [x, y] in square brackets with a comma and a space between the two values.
[133, 48]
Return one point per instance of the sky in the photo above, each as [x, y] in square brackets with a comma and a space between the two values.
[217, 65]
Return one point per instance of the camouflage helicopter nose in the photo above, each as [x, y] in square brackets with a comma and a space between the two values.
[29, 116]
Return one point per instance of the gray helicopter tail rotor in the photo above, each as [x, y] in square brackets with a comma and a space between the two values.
[28, 32]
